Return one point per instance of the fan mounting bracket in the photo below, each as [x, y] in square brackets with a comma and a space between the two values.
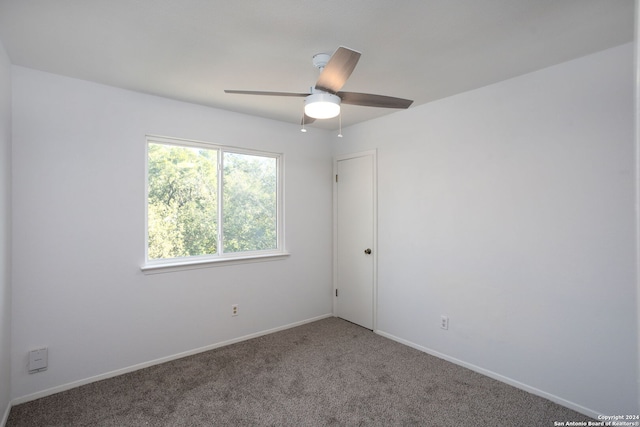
[320, 60]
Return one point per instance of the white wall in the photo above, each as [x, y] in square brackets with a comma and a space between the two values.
[5, 233]
[637, 140]
[78, 233]
[510, 209]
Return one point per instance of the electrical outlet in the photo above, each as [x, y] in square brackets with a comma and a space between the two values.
[234, 309]
[444, 322]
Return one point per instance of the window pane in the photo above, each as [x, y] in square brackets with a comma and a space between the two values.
[249, 203]
[182, 203]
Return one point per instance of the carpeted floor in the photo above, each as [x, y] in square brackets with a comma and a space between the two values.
[325, 373]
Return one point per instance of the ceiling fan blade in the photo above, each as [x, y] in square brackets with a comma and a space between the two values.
[258, 92]
[307, 120]
[338, 69]
[369, 100]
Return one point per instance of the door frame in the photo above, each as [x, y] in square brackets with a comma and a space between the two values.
[374, 158]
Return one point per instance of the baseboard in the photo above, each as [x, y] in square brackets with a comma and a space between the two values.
[5, 417]
[74, 384]
[560, 401]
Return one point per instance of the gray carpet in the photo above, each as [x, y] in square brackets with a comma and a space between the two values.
[325, 373]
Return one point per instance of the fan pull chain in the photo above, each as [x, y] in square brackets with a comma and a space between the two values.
[303, 128]
[340, 124]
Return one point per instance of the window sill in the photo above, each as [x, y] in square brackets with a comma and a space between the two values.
[190, 264]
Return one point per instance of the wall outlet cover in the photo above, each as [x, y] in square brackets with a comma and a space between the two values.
[444, 322]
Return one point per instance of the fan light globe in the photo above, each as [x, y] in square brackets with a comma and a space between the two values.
[322, 105]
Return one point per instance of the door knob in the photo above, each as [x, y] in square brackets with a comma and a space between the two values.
[367, 251]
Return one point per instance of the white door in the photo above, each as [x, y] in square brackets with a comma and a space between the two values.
[355, 238]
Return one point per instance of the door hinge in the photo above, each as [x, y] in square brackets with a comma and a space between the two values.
[336, 177]
[336, 292]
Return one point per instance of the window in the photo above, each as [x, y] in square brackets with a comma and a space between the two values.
[209, 203]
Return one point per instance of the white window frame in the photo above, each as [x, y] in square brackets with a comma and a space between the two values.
[221, 258]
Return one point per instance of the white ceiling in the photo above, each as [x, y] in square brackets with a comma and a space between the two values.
[192, 50]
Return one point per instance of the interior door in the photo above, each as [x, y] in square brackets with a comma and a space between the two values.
[355, 238]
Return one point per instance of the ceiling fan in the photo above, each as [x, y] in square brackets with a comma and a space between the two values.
[323, 101]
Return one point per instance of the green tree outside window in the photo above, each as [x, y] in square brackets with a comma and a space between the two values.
[183, 204]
